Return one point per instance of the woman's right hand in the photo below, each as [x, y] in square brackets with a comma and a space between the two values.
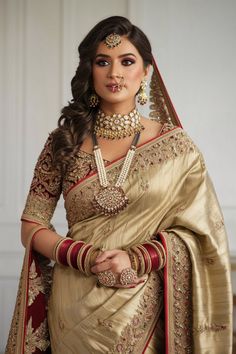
[116, 261]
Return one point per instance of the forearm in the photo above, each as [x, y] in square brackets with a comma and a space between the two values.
[44, 240]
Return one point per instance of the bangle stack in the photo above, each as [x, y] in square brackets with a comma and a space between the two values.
[75, 254]
[147, 257]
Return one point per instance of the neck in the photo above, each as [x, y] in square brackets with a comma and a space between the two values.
[117, 108]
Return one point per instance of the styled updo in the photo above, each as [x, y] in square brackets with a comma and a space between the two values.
[77, 119]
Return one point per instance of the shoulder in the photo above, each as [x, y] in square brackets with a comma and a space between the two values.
[152, 129]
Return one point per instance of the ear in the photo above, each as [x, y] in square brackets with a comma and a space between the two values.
[147, 69]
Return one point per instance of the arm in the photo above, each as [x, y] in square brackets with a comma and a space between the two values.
[44, 240]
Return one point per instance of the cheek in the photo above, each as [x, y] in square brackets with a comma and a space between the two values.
[136, 75]
[96, 75]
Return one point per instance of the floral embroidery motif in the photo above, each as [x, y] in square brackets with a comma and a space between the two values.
[214, 327]
[105, 323]
[11, 343]
[35, 284]
[45, 188]
[35, 337]
[160, 111]
[150, 304]
[181, 269]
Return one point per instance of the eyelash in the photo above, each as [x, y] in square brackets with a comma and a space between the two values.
[125, 62]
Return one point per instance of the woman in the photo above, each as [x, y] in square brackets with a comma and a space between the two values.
[144, 266]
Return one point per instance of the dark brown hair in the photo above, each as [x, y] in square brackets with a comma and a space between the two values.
[77, 119]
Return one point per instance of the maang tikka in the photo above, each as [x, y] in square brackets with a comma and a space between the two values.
[142, 95]
[112, 40]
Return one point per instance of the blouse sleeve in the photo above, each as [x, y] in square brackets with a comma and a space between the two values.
[45, 189]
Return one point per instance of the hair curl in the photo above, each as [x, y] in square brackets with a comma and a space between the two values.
[77, 118]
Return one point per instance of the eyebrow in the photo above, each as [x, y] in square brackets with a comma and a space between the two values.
[120, 56]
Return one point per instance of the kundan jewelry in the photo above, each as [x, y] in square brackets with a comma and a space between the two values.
[93, 100]
[107, 278]
[118, 126]
[128, 276]
[111, 199]
[142, 96]
[112, 40]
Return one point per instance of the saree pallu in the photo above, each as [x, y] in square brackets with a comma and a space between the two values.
[171, 198]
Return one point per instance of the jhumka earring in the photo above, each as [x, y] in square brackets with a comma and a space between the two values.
[142, 96]
[93, 100]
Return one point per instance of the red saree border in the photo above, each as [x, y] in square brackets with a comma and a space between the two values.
[166, 309]
[111, 164]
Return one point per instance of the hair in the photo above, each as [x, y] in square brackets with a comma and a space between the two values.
[77, 119]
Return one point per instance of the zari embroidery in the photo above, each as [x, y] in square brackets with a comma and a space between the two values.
[35, 337]
[45, 188]
[35, 284]
[182, 295]
[150, 304]
[11, 343]
[157, 153]
[214, 327]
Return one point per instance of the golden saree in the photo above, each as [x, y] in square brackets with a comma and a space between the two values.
[185, 308]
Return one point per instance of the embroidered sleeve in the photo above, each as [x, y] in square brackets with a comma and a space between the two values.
[45, 188]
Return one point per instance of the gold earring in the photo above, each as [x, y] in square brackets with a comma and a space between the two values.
[142, 95]
[93, 100]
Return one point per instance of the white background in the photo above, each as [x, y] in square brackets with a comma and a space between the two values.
[194, 42]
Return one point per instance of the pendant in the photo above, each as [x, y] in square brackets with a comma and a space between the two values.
[111, 200]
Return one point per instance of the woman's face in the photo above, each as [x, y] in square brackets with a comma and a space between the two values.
[117, 74]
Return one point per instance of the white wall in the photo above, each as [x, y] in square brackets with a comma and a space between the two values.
[194, 41]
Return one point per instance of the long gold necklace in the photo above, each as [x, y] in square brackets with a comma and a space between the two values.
[117, 126]
[111, 199]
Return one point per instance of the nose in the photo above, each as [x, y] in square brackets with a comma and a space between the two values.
[114, 72]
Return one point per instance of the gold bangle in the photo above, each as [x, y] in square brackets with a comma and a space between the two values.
[80, 257]
[55, 248]
[160, 258]
[133, 260]
[162, 252]
[87, 259]
[148, 266]
[141, 270]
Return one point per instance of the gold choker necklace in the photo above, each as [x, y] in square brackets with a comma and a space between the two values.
[117, 126]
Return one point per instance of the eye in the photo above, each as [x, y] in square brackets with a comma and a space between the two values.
[128, 62]
[102, 62]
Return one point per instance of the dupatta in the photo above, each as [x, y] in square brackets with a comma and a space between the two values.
[197, 289]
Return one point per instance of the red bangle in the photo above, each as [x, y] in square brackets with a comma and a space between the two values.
[74, 253]
[153, 255]
[62, 252]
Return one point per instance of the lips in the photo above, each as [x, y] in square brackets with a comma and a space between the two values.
[114, 87]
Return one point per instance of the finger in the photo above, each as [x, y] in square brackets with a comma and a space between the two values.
[106, 254]
[101, 267]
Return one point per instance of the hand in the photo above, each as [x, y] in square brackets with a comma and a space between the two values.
[115, 261]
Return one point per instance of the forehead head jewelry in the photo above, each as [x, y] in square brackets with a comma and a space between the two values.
[112, 40]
